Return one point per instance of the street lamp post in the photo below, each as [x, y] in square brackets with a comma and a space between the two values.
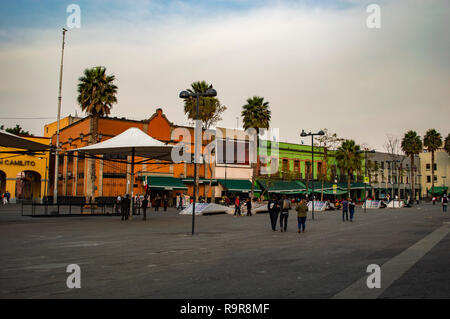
[304, 134]
[186, 95]
[55, 187]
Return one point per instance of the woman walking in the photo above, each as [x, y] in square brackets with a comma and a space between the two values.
[302, 210]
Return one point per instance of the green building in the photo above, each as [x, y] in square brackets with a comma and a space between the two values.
[293, 176]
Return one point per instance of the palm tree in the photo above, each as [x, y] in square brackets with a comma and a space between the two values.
[432, 141]
[447, 144]
[210, 109]
[96, 96]
[349, 158]
[256, 115]
[412, 146]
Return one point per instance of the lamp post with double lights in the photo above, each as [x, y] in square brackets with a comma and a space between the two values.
[197, 139]
[304, 134]
[365, 151]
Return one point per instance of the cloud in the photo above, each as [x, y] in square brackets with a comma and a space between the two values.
[317, 63]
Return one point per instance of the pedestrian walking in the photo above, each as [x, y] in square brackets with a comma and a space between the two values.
[8, 196]
[165, 202]
[144, 207]
[249, 207]
[284, 215]
[302, 210]
[126, 207]
[177, 201]
[344, 210]
[351, 208]
[237, 207]
[273, 209]
[444, 203]
[157, 202]
[434, 200]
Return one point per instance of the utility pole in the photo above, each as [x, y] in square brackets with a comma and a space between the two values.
[55, 189]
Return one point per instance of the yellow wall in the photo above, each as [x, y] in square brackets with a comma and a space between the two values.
[11, 165]
[50, 129]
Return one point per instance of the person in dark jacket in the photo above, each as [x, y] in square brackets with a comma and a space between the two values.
[249, 207]
[344, 210]
[351, 208]
[144, 206]
[273, 209]
[165, 202]
[126, 207]
[157, 202]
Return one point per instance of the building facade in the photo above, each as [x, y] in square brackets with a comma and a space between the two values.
[441, 172]
[390, 175]
[24, 176]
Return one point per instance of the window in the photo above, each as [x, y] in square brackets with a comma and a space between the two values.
[233, 152]
[285, 165]
[319, 167]
[435, 178]
[428, 166]
[435, 166]
[382, 165]
[297, 166]
[428, 179]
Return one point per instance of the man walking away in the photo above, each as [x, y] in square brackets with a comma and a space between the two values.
[8, 196]
[351, 207]
[165, 202]
[126, 207]
[302, 210]
[237, 206]
[444, 203]
[157, 202]
[285, 207]
[344, 210]
[273, 209]
[249, 207]
[144, 207]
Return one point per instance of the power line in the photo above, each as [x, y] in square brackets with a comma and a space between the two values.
[27, 118]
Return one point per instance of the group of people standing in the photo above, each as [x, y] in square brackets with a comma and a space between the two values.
[348, 206]
[280, 208]
[237, 206]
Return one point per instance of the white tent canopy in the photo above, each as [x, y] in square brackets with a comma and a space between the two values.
[11, 140]
[131, 141]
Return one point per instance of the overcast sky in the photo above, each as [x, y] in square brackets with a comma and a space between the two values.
[316, 62]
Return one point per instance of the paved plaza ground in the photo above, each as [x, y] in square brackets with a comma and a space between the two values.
[229, 257]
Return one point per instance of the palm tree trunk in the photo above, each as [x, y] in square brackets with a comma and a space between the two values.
[432, 174]
[413, 191]
[348, 183]
[255, 166]
[94, 140]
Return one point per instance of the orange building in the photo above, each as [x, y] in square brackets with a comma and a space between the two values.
[112, 174]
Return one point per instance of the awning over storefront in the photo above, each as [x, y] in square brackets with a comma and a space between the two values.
[200, 181]
[165, 183]
[238, 185]
[438, 190]
[282, 187]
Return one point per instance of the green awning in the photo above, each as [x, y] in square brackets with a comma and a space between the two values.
[438, 190]
[165, 183]
[200, 181]
[238, 185]
[282, 187]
